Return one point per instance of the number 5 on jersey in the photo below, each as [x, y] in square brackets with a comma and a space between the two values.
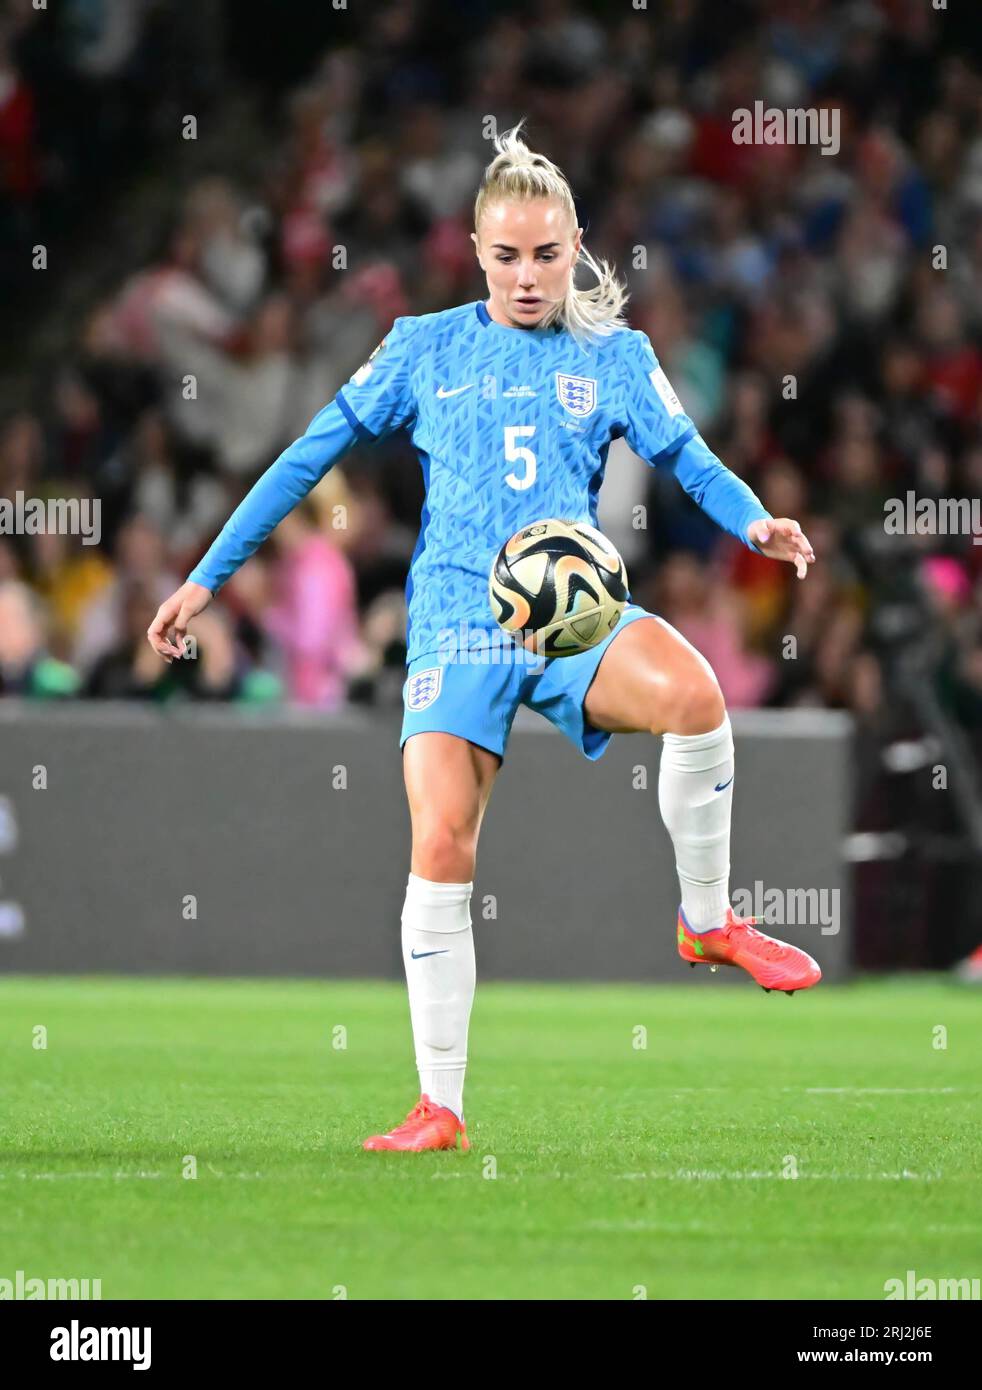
[515, 452]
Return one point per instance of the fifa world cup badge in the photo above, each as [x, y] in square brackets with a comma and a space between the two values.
[365, 370]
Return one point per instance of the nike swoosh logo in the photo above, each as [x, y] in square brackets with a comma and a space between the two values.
[721, 787]
[418, 955]
[442, 393]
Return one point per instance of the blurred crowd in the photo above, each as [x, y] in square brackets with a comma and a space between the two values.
[826, 347]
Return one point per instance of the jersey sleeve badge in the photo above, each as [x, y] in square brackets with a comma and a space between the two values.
[365, 370]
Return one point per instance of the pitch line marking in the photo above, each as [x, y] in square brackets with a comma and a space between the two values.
[877, 1090]
[114, 1177]
[700, 1175]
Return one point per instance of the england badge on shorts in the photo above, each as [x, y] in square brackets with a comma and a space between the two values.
[577, 394]
[423, 688]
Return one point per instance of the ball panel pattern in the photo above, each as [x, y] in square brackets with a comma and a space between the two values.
[558, 586]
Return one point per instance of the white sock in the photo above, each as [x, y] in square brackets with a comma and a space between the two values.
[438, 953]
[697, 816]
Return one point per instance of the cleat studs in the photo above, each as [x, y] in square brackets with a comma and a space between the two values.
[766, 989]
[692, 965]
[789, 992]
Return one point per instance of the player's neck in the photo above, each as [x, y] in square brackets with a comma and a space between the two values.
[496, 316]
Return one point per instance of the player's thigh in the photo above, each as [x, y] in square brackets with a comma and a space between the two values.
[652, 680]
[448, 782]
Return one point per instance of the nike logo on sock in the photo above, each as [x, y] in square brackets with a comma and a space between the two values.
[722, 786]
[418, 955]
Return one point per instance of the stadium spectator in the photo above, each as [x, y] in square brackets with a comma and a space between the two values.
[313, 616]
[26, 667]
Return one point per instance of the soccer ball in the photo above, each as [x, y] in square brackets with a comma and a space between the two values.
[558, 587]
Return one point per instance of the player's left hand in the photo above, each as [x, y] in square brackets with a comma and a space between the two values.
[783, 539]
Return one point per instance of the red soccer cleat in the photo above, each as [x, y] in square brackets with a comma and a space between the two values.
[970, 969]
[773, 964]
[427, 1126]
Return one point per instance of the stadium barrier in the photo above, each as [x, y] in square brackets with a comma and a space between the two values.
[221, 841]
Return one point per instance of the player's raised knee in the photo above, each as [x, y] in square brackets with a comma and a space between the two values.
[692, 706]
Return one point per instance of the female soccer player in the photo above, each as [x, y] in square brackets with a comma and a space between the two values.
[512, 403]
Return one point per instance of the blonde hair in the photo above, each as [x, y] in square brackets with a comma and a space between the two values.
[519, 174]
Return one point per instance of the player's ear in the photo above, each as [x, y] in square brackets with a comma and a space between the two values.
[477, 249]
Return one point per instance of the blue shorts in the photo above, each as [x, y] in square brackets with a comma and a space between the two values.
[477, 698]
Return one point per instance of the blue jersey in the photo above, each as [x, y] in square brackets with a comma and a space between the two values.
[511, 425]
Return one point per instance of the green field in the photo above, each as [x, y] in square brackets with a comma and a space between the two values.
[597, 1167]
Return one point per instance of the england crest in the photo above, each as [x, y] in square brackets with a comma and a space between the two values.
[423, 688]
[577, 394]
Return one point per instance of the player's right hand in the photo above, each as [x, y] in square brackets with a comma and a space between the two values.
[169, 628]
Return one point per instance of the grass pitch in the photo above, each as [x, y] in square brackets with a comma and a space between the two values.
[626, 1141]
